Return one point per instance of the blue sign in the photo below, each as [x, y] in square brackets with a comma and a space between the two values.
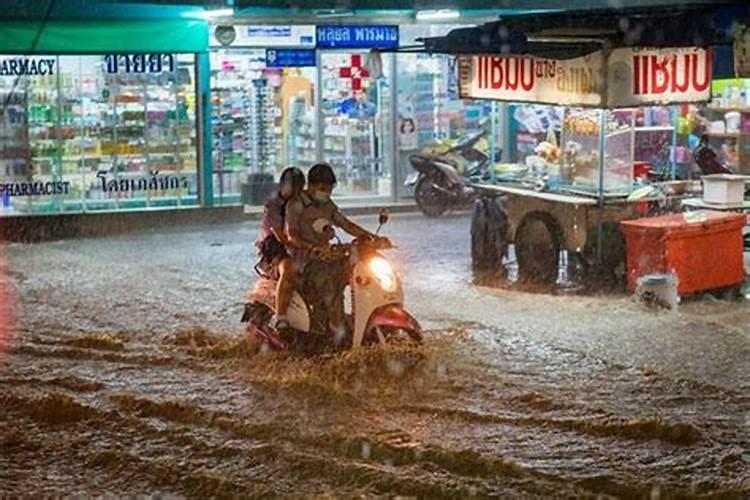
[357, 37]
[289, 58]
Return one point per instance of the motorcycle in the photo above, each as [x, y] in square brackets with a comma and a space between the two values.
[442, 178]
[377, 312]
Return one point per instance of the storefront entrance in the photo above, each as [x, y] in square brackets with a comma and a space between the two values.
[357, 126]
[263, 120]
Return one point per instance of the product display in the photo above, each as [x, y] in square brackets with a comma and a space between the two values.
[262, 119]
[103, 137]
[726, 121]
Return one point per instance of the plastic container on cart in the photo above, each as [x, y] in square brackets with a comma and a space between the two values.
[641, 169]
[703, 249]
[724, 189]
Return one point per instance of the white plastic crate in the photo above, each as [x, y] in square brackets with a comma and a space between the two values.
[724, 189]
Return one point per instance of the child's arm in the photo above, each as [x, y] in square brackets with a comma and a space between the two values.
[350, 227]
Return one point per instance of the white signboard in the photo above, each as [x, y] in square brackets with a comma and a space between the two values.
[529, 79]
[634, 77]
[270, 36]
[742, 52]
[638, 77]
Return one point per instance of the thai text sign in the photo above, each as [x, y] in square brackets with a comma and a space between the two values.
[529, 79]
[357, 37]
[638, 77]
[633, 77]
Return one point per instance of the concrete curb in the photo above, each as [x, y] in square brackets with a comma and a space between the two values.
[39, 228]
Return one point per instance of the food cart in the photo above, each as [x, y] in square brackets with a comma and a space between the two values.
[575, 191]
[582, 181]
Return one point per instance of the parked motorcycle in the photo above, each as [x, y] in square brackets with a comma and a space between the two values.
[378, 315]
[442, 178]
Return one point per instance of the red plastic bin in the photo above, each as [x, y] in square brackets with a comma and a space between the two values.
[704, 249]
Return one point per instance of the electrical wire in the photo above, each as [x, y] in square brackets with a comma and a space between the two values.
[34, 42]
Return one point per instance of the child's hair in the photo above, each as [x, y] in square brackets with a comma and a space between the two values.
[321, 173]
[295, 176]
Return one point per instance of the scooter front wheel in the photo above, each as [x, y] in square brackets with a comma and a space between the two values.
[394, 335]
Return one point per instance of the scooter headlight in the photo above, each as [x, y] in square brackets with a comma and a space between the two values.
[383, 272]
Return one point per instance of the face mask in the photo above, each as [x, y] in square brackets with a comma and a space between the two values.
[321, 198]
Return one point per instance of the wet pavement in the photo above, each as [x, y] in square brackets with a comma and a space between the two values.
[129, 374]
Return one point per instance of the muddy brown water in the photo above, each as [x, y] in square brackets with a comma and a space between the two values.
[532, 396]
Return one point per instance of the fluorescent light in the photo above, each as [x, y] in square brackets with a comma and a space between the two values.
[210, 14]
[435, 15]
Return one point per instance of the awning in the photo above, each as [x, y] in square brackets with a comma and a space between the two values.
[109, 36]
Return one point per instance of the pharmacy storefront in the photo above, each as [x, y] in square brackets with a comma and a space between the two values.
[100, 117]
[297, 95]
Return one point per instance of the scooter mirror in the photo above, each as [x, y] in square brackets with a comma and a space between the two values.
[384, 216]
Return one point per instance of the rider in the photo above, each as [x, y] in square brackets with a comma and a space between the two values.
[272, 242]
[309, 227]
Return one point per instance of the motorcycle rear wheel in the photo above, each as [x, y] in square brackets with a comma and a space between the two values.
[432, 202]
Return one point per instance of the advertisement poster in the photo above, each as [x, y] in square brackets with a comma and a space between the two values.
[572, 82]
[640, 76]
[634, 77]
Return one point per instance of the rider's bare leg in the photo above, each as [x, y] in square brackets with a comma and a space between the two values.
[285, 286]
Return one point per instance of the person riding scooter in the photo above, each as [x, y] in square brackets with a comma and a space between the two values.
[310, 220]
[272, 242]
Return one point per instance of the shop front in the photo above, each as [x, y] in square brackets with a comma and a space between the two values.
[297, 95]
[100, 126]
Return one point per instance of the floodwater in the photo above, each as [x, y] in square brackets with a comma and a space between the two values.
[129, 374]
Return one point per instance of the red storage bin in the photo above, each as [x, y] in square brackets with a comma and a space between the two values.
[704, 249]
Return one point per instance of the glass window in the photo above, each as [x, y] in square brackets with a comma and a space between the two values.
[430, 114]
[263, 121]
[31, 172]
[100, 133]
[357, 123]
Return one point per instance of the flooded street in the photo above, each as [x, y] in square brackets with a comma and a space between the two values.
[129, 374]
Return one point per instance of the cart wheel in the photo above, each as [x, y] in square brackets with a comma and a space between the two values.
[538, 241]
[612, 270]
[432, 202]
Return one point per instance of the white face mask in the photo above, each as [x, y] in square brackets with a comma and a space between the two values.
[320, 198]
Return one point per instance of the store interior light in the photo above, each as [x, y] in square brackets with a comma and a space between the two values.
[437, 15]
[214, 13]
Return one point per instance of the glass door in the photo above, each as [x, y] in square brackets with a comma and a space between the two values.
[263, 121]
[357, 136]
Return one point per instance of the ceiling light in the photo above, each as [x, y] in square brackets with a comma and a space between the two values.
[211, 14]
[436, 15]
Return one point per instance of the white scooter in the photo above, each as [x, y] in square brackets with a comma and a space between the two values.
[377, 313]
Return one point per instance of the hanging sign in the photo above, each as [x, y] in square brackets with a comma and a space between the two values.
[24, 66]
[634, 77]
[265, 36]
[574, 82]
[643, 76]
[742, 52]
[290, 58]
[357, 37]
[139, 63]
